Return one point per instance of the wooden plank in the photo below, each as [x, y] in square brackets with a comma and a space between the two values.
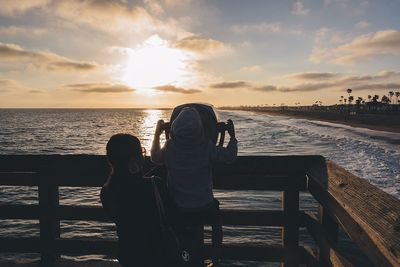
[26, 212]
[109, 247]
[20, 245]
[49, 224]
[256, 217]
[19, 178]
[236, 182]
[329, 224]
[311, 256]
[262, 182]
[329, 256]
[231, 252]
[229, 216]
[243, 164]
[290, 202]
[96, 213]
[369, 216]
[93, 170]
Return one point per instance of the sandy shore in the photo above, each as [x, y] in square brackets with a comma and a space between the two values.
[387, 123]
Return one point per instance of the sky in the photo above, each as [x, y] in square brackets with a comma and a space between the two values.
[149, 54]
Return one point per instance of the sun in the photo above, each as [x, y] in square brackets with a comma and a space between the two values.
[154, 63]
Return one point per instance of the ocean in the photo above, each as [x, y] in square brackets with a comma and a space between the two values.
[372, 155]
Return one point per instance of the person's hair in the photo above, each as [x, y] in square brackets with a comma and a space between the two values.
[121, 148]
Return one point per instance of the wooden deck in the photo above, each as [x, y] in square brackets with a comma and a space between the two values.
[369, 216]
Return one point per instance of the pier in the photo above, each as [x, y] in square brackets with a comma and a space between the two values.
[369, 216]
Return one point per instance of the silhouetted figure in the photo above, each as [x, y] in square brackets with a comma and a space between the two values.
[128, 198]
[188, 156]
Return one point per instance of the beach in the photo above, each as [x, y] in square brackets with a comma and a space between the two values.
[378, 122]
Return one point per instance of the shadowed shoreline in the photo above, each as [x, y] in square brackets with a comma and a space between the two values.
[378, 122]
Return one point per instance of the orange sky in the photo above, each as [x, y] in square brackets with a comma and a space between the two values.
[138, 54]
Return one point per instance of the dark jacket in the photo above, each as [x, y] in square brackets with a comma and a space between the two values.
[189, 157]
[129, 201]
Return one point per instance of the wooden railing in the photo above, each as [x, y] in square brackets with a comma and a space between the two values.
[368, 215]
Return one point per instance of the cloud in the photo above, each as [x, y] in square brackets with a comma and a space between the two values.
[34, 91]
[47, 60]
[174, 89]
[13, 7]
[252, 69]
[299, 9]
[7, 84]
[10, 85]
[176, 3]
[362, 24]
[341, 77]
[325, 40]
[261, 27]
[108, 16]
[315, 81]
[230, 85]
[199, 44]
[71, 66]
[313, 76]
[370, 78]
[17, 30]
[360, 48]
[306, 87]
[100, 88]
[118, 16]
[378, 86]
[265, 88]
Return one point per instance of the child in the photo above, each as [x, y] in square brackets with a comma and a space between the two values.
[188, 156]
[128, 199]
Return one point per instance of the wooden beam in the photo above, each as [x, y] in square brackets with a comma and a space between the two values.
[19, 178]
[231, 252]
[247, 173]
[368, 215]
[229, 216]
[49, 224]
[26, 212]
[290, 203]
[98, 163]
[329, 256]
[20, 245]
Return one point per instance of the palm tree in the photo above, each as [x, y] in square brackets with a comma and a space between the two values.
[345, 100]
[397, 96]
[385, 100]
[369, 97]
[349, 92]
[351, 98]
[391, 93]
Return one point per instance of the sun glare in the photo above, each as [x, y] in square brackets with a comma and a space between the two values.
[156, 63]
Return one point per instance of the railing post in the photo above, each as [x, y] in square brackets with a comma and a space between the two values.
[290, 202]
[331, 229]
[49, 223]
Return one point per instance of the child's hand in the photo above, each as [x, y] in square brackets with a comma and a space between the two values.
[231, 128]
[159, 128]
